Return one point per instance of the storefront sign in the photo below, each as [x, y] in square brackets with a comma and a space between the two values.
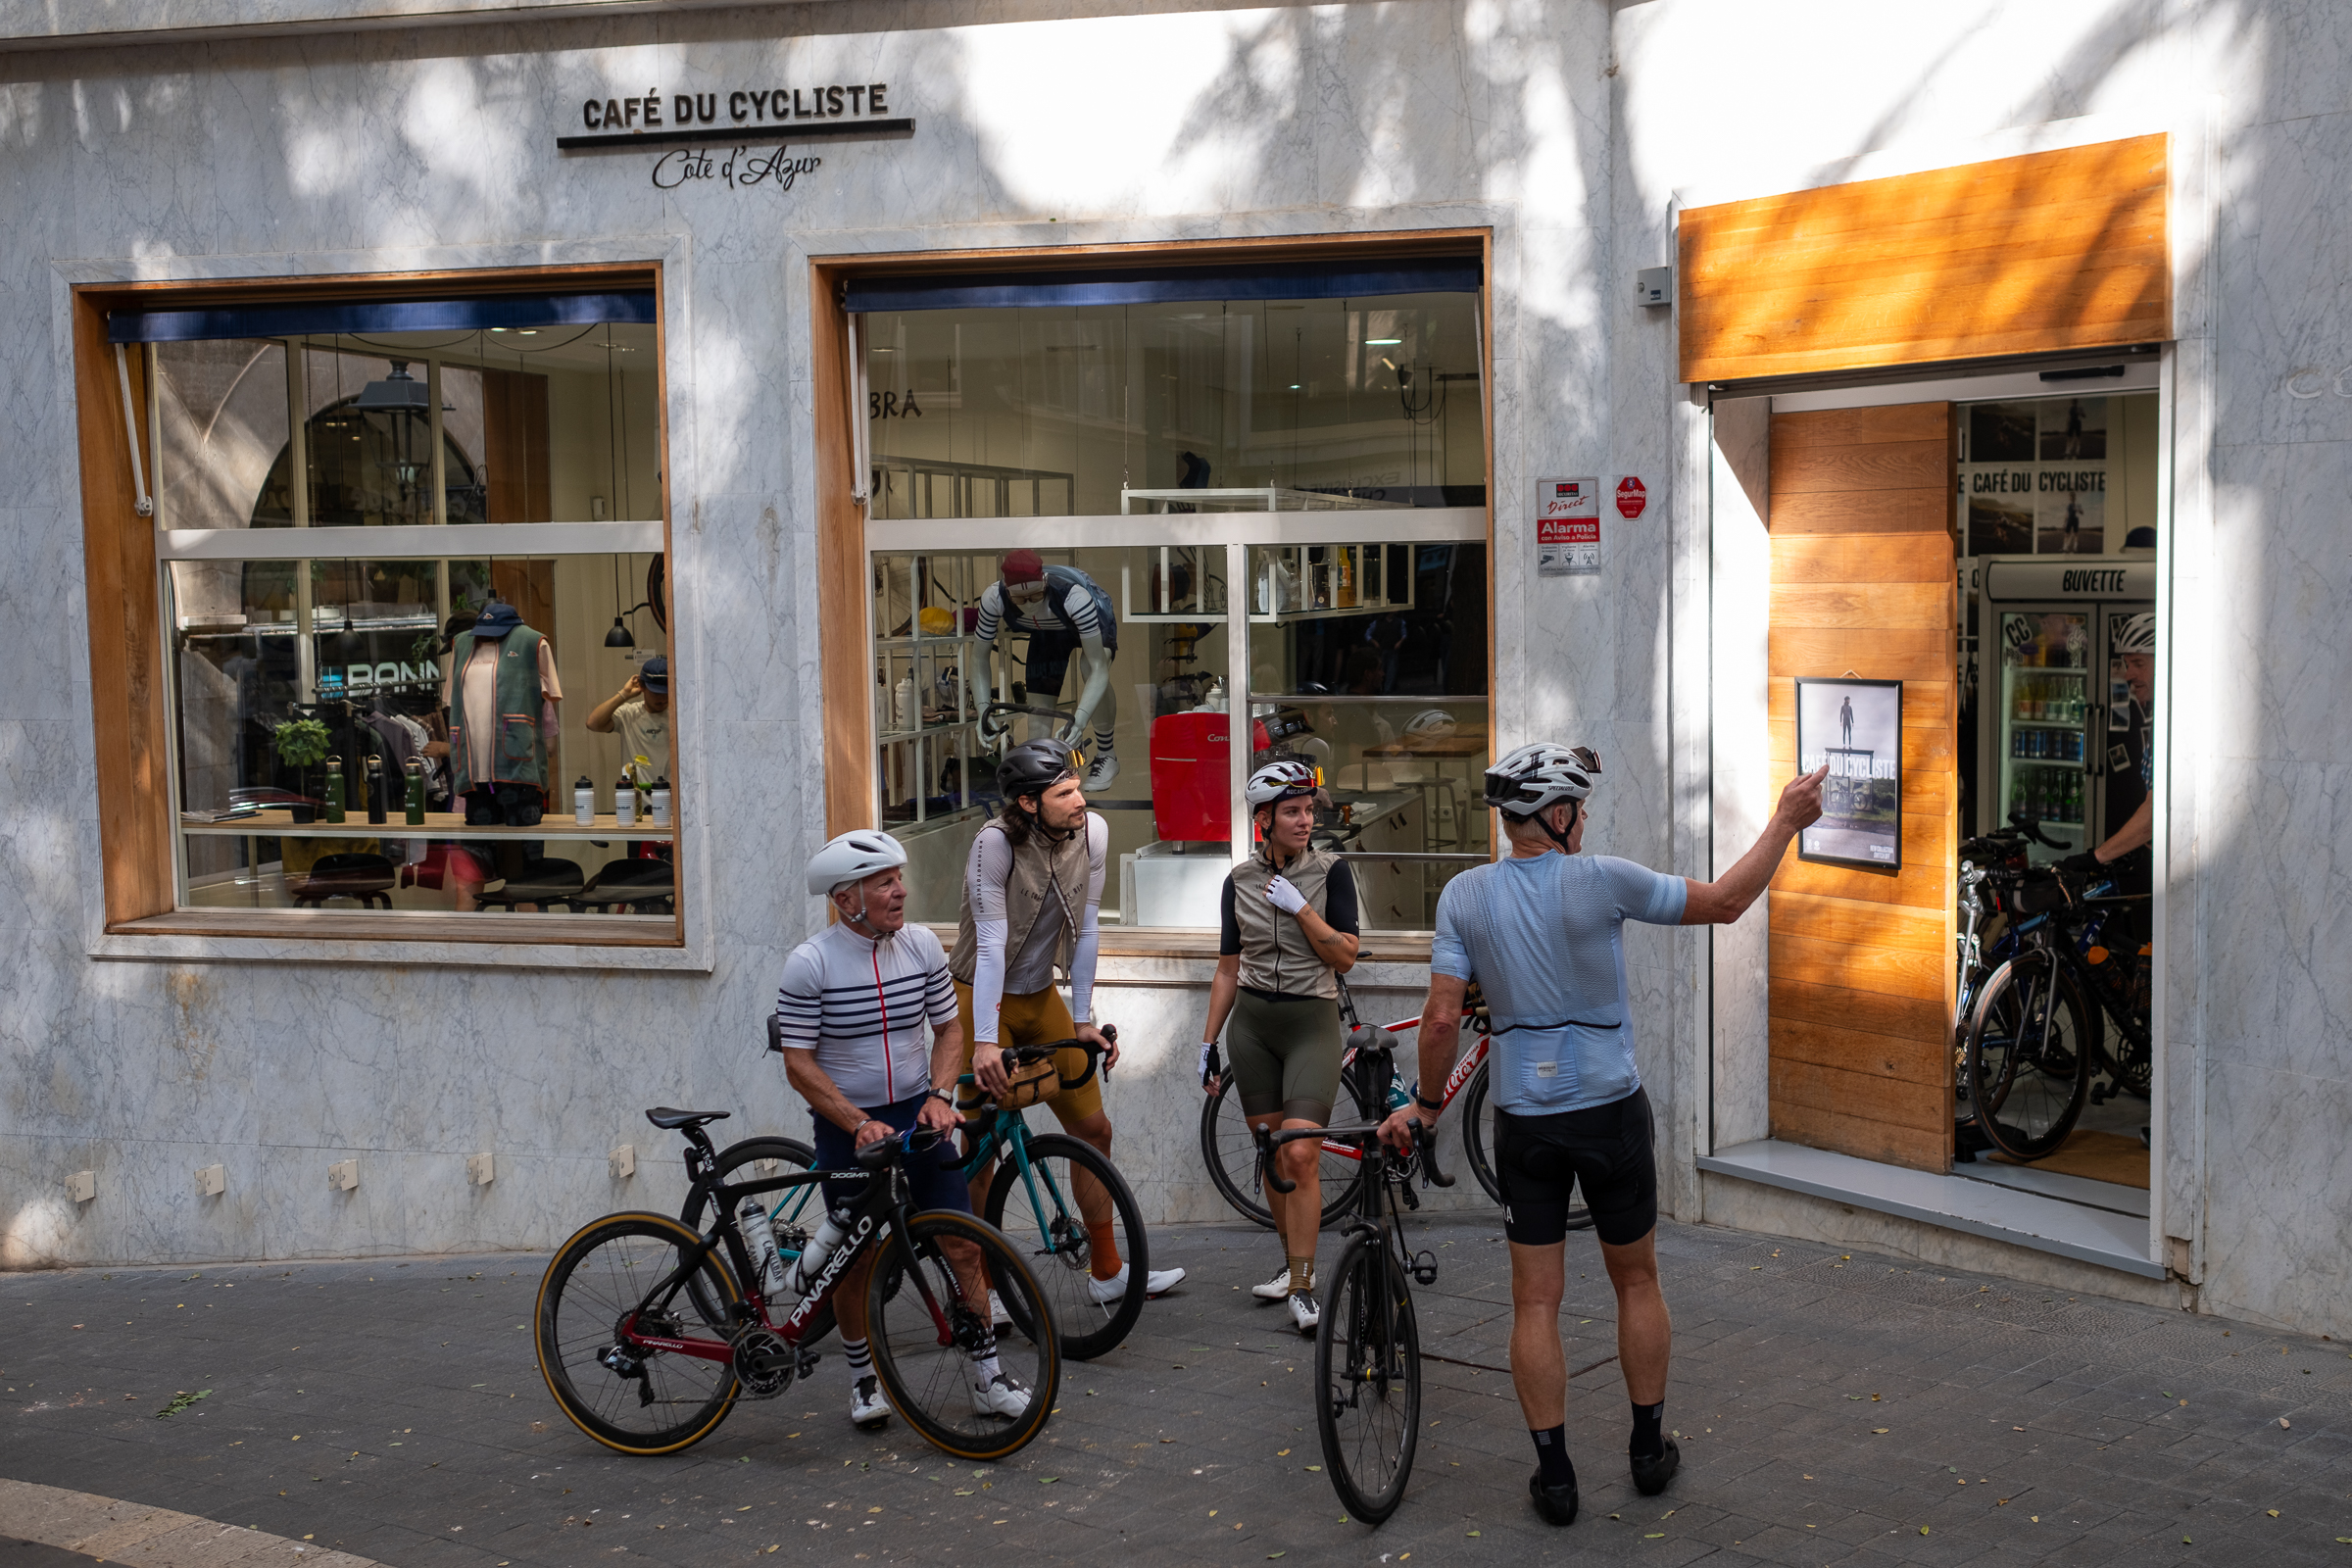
[748, 117]
[2052, 580]
[1632, 498]
[1568, 527]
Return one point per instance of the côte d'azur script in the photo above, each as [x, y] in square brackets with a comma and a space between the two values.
[740, 169]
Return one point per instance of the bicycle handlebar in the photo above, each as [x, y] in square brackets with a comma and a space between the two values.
[1023, 1055]
[1425, 1149]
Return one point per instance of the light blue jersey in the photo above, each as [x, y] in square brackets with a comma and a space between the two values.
[1544, 937]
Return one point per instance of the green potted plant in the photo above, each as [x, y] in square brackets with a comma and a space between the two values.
[300, 744]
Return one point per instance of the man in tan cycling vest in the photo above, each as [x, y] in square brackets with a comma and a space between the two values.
[1032, 900]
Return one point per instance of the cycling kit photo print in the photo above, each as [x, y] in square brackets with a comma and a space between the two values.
[1856, 727]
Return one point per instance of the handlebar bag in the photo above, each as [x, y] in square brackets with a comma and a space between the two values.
[2041, 891]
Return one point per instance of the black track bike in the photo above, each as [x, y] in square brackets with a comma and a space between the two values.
[647, 1341]
[1367, 1386]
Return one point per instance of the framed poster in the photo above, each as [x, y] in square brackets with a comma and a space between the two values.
[1856, 727]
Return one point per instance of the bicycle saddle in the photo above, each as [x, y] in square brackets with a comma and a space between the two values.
[668, 1120]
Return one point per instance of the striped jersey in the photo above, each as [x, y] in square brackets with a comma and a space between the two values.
[860, 1005]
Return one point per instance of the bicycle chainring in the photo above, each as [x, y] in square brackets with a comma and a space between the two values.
[764, 1363]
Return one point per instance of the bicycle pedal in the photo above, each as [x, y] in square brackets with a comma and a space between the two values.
[1425, 1268]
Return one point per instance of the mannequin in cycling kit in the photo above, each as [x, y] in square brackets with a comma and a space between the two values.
[852, 1007]
[1063, 613]
[1543, 934]
[1288, 916]
[1032, 900]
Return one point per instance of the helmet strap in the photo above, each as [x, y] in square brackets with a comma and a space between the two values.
[1544, 822]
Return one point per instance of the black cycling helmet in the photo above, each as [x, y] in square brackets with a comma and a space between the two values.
[1034, 767]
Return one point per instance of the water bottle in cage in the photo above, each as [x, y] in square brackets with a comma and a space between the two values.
[760, 1236]
[803, 1275]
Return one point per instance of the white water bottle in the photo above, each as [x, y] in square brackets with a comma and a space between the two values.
[752, 1218]
[660, 801]
[583, 803]
[804, 1276]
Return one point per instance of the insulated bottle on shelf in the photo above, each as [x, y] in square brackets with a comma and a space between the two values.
[378, 812]
[412, 792]
[334, 789]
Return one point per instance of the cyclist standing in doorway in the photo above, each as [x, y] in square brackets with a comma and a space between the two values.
[853, 1006]
[1288, 918]
[1032, 900]
[1543, 934]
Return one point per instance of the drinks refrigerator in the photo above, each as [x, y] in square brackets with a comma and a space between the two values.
[2043, 749]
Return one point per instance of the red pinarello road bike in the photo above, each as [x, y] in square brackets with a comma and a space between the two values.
[648, 1330]
[1232, 1152]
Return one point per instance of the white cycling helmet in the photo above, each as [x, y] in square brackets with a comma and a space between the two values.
[1430, 723]
[1277, 782]
[853, 856]
[2136, 635]
[1541, 774]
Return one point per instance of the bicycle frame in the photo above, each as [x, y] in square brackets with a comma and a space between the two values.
[884, 1205]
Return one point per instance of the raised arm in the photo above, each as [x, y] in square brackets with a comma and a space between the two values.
[1728, 896]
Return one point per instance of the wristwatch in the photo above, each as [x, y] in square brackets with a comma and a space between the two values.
[944, 1097]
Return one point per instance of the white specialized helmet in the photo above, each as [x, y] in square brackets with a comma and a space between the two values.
[853, 856]
[2136, 635]
[1280, 781]
[1430, 723]
[1541, 774]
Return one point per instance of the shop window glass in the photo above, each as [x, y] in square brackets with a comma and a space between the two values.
[312, 692]
[1179, 439]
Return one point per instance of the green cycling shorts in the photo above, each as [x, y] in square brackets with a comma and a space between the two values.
[1285, 1051]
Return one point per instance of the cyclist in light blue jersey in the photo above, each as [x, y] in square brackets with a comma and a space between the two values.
[1542, 933]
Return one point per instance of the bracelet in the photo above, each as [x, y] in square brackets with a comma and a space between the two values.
[1428, 1105]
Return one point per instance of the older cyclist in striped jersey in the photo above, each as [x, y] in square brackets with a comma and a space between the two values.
[853, 1006]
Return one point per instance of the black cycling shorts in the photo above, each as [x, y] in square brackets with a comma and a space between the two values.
[1607, 1150]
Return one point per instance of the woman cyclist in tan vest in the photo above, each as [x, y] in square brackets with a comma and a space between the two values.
[1290, 922]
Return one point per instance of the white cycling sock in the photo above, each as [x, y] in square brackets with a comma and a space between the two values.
[860, 1359]
[984, 1360]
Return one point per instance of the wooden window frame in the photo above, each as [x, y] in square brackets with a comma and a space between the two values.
[130, 717]
[846, 636]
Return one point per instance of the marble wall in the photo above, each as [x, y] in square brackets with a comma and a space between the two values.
[1572, 130]
[143, 1059]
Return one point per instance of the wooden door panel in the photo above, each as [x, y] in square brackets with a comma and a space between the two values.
[1861, 958]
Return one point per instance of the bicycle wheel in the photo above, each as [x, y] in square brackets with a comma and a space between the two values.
[1231, 1157]
[2029, 1052]
[923, 1356]
[1041, 1217]
[795, 1209]
[641, 1402]
[1368, 1380]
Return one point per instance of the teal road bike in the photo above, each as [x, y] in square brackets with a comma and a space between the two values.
[1041, 1190]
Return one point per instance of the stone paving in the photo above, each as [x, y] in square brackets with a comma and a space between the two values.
[1831, 1408]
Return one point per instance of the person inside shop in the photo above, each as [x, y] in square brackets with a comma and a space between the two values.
[1032, 902]
[1063, 613]
[2130, 761]
[640, 713]
[500, 692]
